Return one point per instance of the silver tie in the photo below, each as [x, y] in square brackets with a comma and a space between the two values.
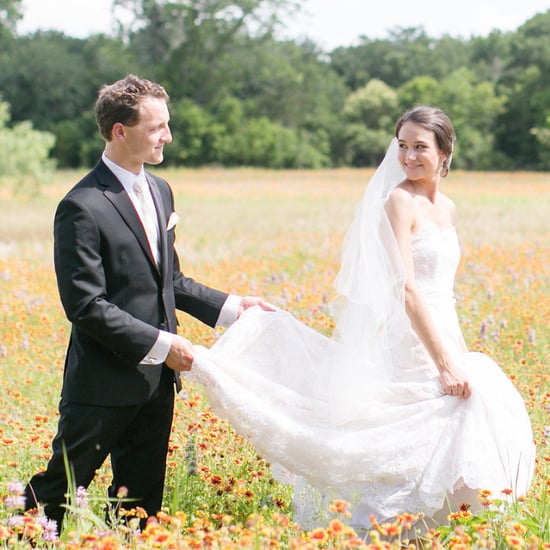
[148, 216]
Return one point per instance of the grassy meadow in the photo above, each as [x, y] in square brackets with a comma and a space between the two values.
[278, 235]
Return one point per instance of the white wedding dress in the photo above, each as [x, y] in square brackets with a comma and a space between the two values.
[336, 424]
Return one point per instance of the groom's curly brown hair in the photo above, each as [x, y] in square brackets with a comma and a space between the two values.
[119, 102]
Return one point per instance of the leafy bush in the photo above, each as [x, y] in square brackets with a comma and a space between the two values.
[24, 154]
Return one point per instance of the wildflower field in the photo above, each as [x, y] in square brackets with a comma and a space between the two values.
[278, 235]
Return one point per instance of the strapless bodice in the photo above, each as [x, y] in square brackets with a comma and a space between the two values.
[436, 254]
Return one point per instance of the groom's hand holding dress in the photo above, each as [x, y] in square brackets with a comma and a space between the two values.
[181, 354]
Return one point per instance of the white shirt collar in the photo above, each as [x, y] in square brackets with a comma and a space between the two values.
[125, 177]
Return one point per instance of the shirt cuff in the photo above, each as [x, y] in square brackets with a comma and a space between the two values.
[159, 352]
[229, 312]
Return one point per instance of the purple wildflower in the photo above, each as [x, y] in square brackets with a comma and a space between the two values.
[81, 497]
[50, 531]
[14, 502]
[15, 488]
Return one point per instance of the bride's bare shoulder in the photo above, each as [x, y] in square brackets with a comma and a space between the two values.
[400, 195]
[400, 206]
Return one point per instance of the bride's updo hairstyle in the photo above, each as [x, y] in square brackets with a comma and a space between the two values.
[438, 122]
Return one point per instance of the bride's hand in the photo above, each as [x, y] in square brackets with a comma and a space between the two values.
[455, 382]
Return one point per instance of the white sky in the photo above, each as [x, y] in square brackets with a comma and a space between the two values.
[329, 23]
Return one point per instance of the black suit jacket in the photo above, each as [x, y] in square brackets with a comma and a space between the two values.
[113, 293]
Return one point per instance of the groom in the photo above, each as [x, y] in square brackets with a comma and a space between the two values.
[120, 283]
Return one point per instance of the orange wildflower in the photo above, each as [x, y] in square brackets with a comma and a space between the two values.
[336, 528]
[5, 532]
[318, 535]
[514, 541]
[340, 507]
[216, 479]
[107, 543]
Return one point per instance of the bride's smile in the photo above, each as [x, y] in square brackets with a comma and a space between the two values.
[418, 153]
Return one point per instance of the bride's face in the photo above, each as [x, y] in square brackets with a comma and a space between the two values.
[418, 153]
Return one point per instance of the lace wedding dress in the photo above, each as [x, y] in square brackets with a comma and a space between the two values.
[368, 421]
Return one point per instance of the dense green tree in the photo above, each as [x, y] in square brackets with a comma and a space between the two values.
[263, 142]
[289, 83]
[370, 113]
[405, 54]
[212, 51]
[195, 134]
[53, 80]
[190, 45]
[424, 90]
[490, 55]
[293, 85]
[472, 106]
[525, 83]
[230, 138]
[78, 143]
[46, 79]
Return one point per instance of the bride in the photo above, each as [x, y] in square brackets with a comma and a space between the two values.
[391, 413]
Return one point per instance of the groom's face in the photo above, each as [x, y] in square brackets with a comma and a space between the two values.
[145, 140]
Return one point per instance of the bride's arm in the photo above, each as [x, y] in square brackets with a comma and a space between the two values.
[401, 213]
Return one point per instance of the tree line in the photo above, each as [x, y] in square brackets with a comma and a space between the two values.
[242, 96]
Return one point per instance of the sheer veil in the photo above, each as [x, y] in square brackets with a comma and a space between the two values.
[369, 308]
